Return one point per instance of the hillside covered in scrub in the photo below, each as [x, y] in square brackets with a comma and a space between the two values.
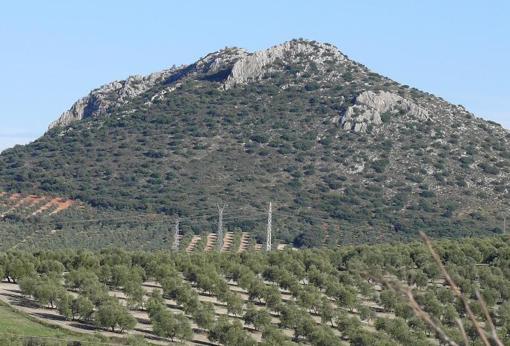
[344, 154]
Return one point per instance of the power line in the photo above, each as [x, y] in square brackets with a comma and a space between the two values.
[139, 218]
[202, 219]
[199, 220]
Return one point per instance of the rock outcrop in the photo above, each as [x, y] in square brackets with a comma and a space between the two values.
[220, 61]
[215, 66]
[370, 106]
[255, 65]
[103, 99]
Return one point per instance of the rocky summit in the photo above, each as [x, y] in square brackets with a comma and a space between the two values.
[345, 154]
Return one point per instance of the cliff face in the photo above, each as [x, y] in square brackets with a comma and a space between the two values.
[338, 148]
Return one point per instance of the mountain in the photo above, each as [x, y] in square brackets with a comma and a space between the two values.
[345, 154]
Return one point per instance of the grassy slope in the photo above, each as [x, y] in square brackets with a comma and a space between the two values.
[14, 323]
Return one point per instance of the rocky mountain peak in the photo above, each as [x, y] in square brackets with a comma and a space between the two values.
[231, 66]
[254, 65]
[296, 64]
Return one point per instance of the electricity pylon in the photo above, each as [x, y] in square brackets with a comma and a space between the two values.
[220, 227]
[175, 246]
[269, 227]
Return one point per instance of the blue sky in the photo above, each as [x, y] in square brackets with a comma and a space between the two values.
[54, 52]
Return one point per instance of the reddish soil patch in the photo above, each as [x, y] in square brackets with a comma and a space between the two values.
[62, 205]
[59, 204]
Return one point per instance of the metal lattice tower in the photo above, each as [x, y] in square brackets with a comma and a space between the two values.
[219, 239]
[175, 246]
[269, 227]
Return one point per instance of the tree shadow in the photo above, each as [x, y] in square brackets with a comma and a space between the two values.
[51, 317]
[19, 300]
[84, 326]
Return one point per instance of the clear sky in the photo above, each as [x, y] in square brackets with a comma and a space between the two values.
[54, 52]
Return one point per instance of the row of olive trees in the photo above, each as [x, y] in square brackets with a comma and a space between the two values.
[293, 286]
[92, 304]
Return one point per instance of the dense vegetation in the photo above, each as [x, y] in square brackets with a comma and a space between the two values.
[317, 297]
[276, 139]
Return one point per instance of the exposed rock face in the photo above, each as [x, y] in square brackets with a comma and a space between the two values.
[369, 106]
[101, 100]
[220, 60]
[253, 66]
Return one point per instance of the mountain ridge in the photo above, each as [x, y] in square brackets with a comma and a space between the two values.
[240, 64]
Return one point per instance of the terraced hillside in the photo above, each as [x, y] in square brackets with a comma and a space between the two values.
[24, 206]
[234, 242]
[352, 295]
